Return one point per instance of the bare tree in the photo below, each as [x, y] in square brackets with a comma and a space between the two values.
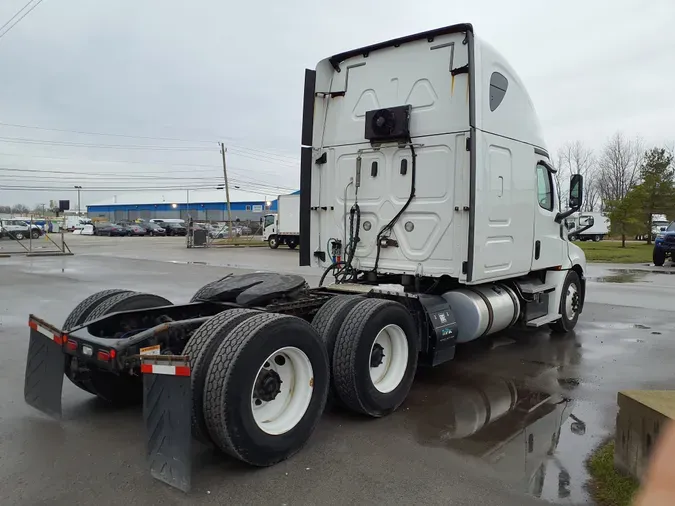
[20, 209]
[592, 200]
[619, 166]
[576, 158]
[619, 172]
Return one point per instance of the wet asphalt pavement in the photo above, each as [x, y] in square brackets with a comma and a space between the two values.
[512, 419]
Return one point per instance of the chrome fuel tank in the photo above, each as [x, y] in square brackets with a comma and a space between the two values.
[483, 310]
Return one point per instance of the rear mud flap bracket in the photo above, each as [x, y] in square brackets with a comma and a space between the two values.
[167, 408]
[45, 365]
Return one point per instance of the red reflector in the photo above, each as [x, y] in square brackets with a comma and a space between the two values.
[113, 353]
[182, 370]
[103, 356]
[71, 345]
[32, 324]
[146, 368]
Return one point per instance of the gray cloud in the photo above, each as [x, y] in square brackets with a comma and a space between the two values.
[210, 70]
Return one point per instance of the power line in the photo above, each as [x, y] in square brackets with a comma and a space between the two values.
[48, 174]
[19, 20]
[174, 139]
[16, 14]
[24, 140]
[135, 162]
[126, 189]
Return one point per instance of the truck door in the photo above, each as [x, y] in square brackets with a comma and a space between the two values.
[549, 246]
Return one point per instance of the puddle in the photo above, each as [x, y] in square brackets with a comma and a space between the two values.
[620, 276]
[527, 426]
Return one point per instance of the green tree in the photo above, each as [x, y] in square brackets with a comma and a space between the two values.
[625, 215]
[656, 193]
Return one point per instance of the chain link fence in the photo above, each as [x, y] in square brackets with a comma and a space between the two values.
[19, 237]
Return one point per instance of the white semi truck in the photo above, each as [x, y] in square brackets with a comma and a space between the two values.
[428, 198]
[284, 226]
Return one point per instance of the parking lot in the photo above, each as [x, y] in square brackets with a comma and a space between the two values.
[439, 448]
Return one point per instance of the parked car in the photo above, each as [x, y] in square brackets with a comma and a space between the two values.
[19, 229]
[110, 229]
[154, 229]
[136, 229]
[222, 232]
[174, 228]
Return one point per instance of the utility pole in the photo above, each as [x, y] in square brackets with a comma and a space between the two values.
[78, 188]
[227, 191]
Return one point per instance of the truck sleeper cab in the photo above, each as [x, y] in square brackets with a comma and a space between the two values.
[424, 164]
[428, 198]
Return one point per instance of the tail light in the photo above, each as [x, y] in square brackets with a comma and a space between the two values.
[103, 356]
[71, 345]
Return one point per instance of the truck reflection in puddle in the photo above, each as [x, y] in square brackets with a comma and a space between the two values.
[515, 424]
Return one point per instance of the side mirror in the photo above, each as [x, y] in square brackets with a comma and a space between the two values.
[576, 191]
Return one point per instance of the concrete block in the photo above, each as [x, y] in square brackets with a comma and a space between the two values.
[641, 415]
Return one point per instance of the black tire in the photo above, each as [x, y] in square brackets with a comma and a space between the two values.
[352, 356]
[200, 348]
[566, 324]
[19, 236]
[292, 244]
[597, 238]
[199, 294]
[330, 318]
[127, 301]
[230, 380]
[77, 317]
[35, 234]
[273, 242]
[113, 388]
[659, 257]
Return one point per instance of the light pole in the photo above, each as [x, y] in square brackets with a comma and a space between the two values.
[78, 188]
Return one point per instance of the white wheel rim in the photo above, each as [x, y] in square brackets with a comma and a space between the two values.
[387, 371]
[571, 302]
[282, 413]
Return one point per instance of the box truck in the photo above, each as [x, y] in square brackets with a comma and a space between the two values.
[284, 226]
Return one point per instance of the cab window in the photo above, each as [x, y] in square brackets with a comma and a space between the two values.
[544, 188]
[269, 220]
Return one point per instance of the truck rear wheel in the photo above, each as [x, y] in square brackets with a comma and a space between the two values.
[375, 357]
[328, 321]
[570, 304]
[266, 388]
[113, 388]
[126, 302]
[77, 317]
[659, 257]
[292, 243]
[200, 348]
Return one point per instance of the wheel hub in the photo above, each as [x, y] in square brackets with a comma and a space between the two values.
[376, 355]
[267, 386]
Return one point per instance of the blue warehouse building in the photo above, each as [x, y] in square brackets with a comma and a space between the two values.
[202, 205]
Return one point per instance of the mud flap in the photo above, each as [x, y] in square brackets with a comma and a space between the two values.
[167, 411]
[45, 366]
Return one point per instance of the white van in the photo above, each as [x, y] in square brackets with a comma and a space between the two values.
[159, 221]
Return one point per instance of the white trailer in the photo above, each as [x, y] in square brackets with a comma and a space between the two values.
[283, 227]
[599, 226]
[428, 197]
[71, 222]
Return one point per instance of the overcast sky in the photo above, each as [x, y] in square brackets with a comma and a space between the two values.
[208, 70]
